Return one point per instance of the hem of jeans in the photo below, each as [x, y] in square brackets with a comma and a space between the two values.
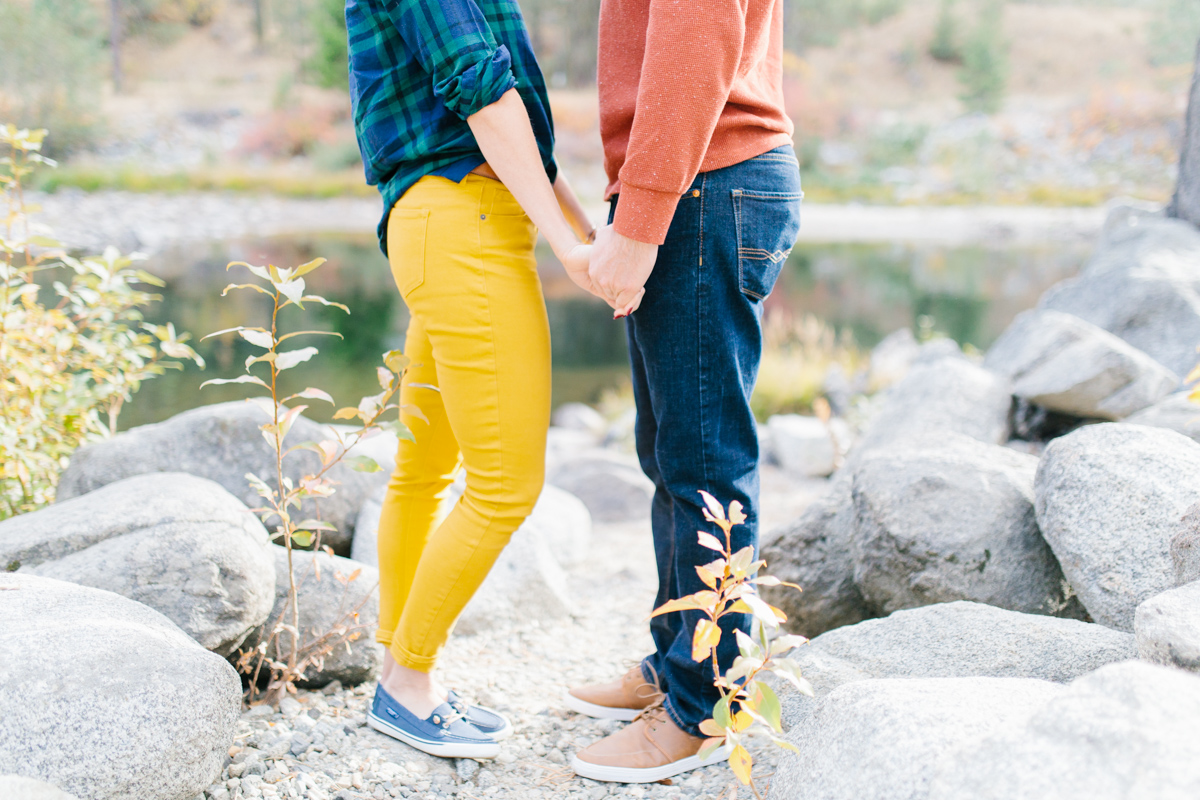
[691, 730]
[411, 660]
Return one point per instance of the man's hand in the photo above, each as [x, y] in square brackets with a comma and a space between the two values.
[620, 268]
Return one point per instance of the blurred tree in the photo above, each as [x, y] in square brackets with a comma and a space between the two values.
[329, 61]
[564, 35]
[984, 73]
[945, 45]
[1173, 31]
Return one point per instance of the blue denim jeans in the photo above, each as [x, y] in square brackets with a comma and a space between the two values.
[695, 345]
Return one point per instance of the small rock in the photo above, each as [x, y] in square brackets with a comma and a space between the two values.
[486, 779]
[613, 487]
[1109, 498]
[290, 707]
[195, 554]
[556, 756]
[1065, 364]
[466, 768]
[804, 446]
[1167, 627]
[1129, 730]
[579, 417]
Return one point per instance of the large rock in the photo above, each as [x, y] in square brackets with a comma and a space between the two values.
[953, 521]
[1126, 731]
[814, 553]
[222, 442]
[526, 584]
[16, 787]
[1062, 363]
[177, 543]
[1185, 547]
[327, 598]
[957, 640]
[1186, 203]
[1176, 413]
[880, 739]
[1168, 628]
[949, 395]
[1109, 498]
[1143, 285]
[613, 487]
[560, 519]
[107, 699]
[893, 357]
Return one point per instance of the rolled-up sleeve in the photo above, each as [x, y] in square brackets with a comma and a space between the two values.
[453, 42]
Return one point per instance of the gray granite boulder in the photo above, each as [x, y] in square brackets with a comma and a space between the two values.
[177, 543]
[106, 698]
[949, 395]
[16, 787]
[1109, 499]
[882, 739]
[1126, 731]
[222, 442]
[804, 446]
[1060, 362]
[814, 552]
[1143, 285]
[612, 486]
[1167, 627]
[1175, 412]
[957, 640]
[1185, 547]
[953, 521]
[1186, 203]
[331, 591]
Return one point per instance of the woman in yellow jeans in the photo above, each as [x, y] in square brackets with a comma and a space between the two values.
[454, 126]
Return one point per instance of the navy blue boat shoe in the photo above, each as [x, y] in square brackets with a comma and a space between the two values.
[446, 732]
[488, 720]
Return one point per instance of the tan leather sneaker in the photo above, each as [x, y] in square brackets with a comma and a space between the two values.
[649, 750]
[622, 699]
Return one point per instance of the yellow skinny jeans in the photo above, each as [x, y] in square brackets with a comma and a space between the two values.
[462, 256]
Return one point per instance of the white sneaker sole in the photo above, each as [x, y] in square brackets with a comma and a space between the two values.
[599, 712]
[600, 772]
[451, 750]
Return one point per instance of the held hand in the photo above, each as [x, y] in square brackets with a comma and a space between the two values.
[620, 268]
[576, 261]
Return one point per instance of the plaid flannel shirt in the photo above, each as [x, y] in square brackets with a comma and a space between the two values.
[418, 69]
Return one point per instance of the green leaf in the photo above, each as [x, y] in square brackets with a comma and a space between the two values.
[770, 708]
[762, 612]
[316, 525]
[313, 298]
[259, 271]
[396, 361]
[785, 643]
[226, 330]
[312, 394]
[363, 464]
[293, 290]
[401, 430]
[302, 538]
[253, 286]
[790, 672]
[710, 541]
[741, 561]
[721, 714]
[711, 746]
[287, 336]
[238, 379]
[714, 507]
[293, 357]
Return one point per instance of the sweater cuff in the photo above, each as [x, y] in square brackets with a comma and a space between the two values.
[644, 215]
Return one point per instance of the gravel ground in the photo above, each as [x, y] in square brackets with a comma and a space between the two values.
[318, 746]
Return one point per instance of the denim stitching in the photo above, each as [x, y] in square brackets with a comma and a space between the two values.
[737, 227]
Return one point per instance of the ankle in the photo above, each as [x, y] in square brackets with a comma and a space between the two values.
[417, 691]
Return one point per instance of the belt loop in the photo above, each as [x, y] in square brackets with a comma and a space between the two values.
[487, 195]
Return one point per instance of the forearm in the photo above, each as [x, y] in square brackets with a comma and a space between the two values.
[505, 137]
[572, 209]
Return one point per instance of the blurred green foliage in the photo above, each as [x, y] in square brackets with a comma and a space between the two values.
[984, 73]
[1174, 31]
[328, 63]
[50, 56]
[945, 45]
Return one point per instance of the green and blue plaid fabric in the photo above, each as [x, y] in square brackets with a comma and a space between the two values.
[418, 69]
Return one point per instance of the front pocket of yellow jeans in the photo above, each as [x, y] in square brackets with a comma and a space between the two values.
[407, 231]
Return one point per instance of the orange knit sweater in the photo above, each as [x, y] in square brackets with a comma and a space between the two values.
[686, 86]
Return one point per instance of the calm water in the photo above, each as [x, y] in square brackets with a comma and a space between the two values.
[970, 294]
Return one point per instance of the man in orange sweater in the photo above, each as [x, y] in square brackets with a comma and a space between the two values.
[705, 193]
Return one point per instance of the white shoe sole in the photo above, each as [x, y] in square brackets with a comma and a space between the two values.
[600, 772]
[599, 712]
[452, 750]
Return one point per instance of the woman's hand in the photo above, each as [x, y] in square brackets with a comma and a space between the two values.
[576, 262]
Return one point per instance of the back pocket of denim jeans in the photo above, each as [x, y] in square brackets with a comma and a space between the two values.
[768, 224]
[407, 228]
